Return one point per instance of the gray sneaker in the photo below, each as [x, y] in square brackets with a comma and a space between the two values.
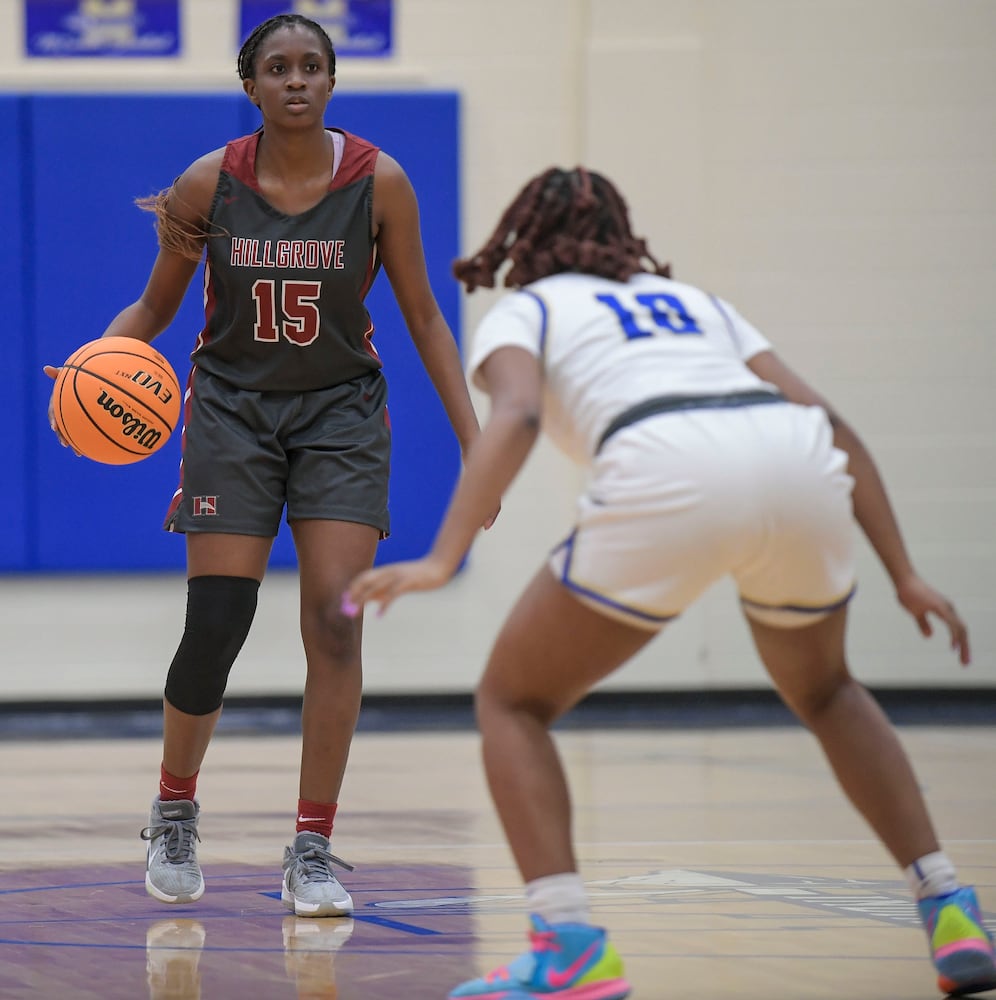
[172, 874]
[310, 887]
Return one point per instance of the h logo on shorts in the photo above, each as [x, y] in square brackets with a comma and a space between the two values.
[205, 506]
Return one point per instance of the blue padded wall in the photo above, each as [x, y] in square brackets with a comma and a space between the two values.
[88, 254]
[92, 251]
[17, 503]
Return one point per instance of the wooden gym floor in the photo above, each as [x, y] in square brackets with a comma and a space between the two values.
[724, 860]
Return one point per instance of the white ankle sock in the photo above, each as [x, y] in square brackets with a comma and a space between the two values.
[559, 899]
[932, 875]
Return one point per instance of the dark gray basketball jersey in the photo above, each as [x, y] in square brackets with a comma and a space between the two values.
[283, 294]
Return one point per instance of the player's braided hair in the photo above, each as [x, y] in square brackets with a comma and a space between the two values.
[562, 220]
[262, 31]
[174, 234]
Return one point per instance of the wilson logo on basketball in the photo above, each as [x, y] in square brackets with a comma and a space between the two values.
[131, 426]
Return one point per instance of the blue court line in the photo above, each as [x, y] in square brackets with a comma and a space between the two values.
[394, 925]
[76, 944]
[68, 885]
[481, 955]
[136, 882]
[234, 949]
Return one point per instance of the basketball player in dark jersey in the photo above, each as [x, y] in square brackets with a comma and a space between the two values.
[286, 408]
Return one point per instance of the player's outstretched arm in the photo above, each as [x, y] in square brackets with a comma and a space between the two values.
[513, 379]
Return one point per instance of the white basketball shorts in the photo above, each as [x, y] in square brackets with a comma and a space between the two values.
[679, 500]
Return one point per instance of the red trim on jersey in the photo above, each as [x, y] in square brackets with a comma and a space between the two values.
[368, 279]
[358, 160]
[368, 343]
[202, 338]
[210, 303]
[371, 273]
[188, 405]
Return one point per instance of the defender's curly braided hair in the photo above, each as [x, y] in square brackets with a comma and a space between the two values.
[562, 220]
[186, 239]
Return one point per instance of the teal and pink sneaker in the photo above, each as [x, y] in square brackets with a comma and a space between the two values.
[571, 961]
[960, 945]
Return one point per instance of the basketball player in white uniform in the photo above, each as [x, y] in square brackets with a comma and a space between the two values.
[708, 458]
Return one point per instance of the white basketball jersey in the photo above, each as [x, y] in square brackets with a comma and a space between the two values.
[607, 345]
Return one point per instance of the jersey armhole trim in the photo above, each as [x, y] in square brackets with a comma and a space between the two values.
[730, 327]
[544, 319]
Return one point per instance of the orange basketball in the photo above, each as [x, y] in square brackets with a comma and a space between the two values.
[116, 400]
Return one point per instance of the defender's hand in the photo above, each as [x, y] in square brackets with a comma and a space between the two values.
[385, 584]
[922, 601]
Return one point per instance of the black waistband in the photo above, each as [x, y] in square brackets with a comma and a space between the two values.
[669, 404]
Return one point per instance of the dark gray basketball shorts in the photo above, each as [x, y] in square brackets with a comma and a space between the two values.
[248, 455]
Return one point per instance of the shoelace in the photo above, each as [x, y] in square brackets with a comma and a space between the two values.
[540, 941]
[180, 835]
[544, 940]
[317, 863]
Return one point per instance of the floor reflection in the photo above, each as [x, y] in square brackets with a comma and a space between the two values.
[310, 948]
[61, 935]
[173, 953]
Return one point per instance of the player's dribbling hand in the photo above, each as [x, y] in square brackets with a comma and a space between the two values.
[922, 601]
[53, 372]
[387, 583]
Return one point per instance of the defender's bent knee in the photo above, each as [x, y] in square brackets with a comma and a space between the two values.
[493, 706]
[220, 610]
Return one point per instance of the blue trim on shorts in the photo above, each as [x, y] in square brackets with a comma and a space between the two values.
[803, 609]
[568, 544]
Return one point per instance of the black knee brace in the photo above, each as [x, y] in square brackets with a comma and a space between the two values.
[220, 610]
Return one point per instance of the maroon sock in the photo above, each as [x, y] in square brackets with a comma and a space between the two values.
[172, 788]
[315, 816]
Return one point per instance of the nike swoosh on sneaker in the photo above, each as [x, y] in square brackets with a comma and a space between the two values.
[559, 979]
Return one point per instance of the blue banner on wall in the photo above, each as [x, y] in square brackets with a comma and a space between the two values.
[72, 28]
[356, 27]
